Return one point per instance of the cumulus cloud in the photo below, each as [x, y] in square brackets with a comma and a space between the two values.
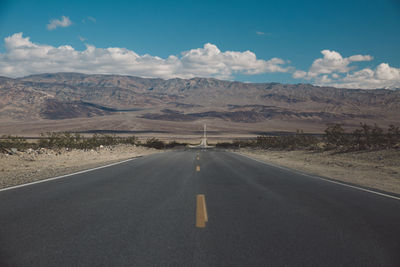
[383, 76]
[55, 23]
[334, 70]
[298, 74]
[23, 57]
[334, 62]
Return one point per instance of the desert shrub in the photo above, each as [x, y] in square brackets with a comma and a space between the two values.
[9, 141]
[365, 137]
[243, 143]
[374, 137]
[236, 144]
[69, 140]
[335, 136]
[227, 145]
[60, 140]
[296, 141]
[154, 143]
[393, 135]
[378, 138]
[131, 140]
[174, 144]
[290, 141]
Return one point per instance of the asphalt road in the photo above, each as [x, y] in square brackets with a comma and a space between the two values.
[143, 213]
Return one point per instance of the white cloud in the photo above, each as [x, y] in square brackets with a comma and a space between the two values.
[334, 62]
[263, 33]
[335, 70]
[23, 57]
[324, 79]
[55, 23]
[356, 58]
[89, 19]
[299, 74]
[81, 38]
[383, 76]
[385, 72]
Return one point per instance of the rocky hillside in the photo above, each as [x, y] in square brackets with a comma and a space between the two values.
[73, 95]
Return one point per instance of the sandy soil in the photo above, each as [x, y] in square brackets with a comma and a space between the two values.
[131, 124]
[374, 169]
[31, 165]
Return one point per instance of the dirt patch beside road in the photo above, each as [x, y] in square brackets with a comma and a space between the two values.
[34, 165]
[374, 169]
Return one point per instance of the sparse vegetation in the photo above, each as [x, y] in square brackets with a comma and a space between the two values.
[237, 144]
[366, 137]
[55, 140]
[227, 145]
[65, 140]
[75, 140]
[174, 144]
[299, 140]
[154, 143]
[296, 141]
[9, 141]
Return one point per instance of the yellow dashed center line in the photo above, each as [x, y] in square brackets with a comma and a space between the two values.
[197, 168]
[201, 211]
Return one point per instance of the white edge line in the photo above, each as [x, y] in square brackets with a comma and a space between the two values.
[317, 177]
[66, 175]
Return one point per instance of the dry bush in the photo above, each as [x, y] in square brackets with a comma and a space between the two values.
[366, 137]
[7, 142]
[300, 140]
[75, 140]
[154, 143]
[296, 141]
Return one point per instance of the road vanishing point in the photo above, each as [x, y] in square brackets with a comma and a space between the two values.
[197, 207]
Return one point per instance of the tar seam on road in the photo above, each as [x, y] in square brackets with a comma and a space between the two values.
[321, 178]
[201, 211]
[66, 175]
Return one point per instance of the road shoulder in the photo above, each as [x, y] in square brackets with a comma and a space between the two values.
[27, 167]
[369, 169]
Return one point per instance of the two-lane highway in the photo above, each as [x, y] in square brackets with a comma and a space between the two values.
[196, 208]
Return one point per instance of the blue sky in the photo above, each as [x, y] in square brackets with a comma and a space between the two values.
[360, 39]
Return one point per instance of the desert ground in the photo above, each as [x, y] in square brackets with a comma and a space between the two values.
[130, 124]
[33, 165]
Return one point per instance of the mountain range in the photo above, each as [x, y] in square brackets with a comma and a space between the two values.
[80, 102]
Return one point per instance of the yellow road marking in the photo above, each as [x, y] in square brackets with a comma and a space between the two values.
[197, 168]
[201, 211]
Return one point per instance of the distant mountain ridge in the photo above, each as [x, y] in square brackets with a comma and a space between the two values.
[74, 95]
